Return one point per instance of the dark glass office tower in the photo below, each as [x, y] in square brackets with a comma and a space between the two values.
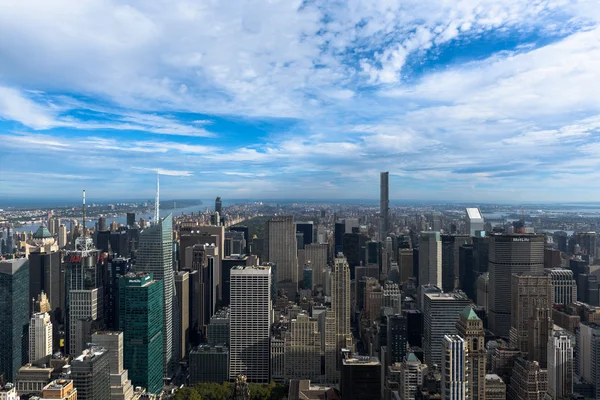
[44, 276]
[141, 320]
[510, 254]
[307, 228]
[130, 220]
[155, 255]
[14, 316]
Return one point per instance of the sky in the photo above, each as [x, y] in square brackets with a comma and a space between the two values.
[470, 100]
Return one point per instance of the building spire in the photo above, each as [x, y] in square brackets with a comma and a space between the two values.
[156, 202]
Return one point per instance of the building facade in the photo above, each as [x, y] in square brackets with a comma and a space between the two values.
[560, 365]
[155, 256]
[454, 368]
[470, 328]
[40, 338]
[91, 374]
[510, 254]
[14, 316]
[281, 249]
[250, 316]
[430, 259]
[440, 313]
[530, 291]
[141, 319]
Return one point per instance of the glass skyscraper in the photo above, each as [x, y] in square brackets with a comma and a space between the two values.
[141, 320]
[155, 255]
[14, 316]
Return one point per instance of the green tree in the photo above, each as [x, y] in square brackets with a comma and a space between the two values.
[188, 393]
[214, 391]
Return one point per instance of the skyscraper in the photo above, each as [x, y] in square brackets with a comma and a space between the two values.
[14, 316]
[560, 365]
[384, 205]
[440, 313]
[44, 268]
[454, 369]
[155, 256]
[564, 286]
[474, 221]
[120, 385]
[91, 374]
[451, 245]
[250, 325]
[412, 372]
[470, 328]
[340, 304]
[430, 259]
[510, 254]
[218, 206]
[530, 291]
[281, 249]
[303, 349]
[40, 338]
[85, 288]
[182, 285]
[141, 318]
[528, 381]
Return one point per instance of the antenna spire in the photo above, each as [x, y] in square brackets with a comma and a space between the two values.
[83, 232]
[156, 202]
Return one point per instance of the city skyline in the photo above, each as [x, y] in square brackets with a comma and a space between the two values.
[491, 101]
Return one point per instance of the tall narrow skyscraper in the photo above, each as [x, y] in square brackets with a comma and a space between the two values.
[384, 205]
[510, 254]
[430, 259]
[250, 323]
[560, 365]
[40, 338]
[454, 369]
[155, 256]
[14, 316]
[282, 249]
[340, 305]
[470, 328]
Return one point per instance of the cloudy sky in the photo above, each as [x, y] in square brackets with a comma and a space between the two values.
[470, 100]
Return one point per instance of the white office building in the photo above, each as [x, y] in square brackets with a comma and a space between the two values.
[250, 316]
[40, 337]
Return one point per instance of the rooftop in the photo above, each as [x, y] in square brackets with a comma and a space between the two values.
[474, 213]
[42, 233]
[58, 384]
[493, 377]
[90, 354]
[355, 359]
[469, 313]
[457, 295]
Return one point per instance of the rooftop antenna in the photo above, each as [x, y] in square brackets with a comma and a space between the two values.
[83, 212]
[156, 202]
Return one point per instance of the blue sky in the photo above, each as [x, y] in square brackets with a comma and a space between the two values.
[471, 100]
